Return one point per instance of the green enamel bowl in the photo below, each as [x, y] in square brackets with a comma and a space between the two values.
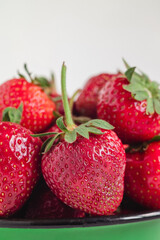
[141, 226]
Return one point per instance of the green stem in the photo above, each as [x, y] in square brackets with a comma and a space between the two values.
[68, 115]
[71, 102]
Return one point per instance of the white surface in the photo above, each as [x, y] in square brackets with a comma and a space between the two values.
[91, 36]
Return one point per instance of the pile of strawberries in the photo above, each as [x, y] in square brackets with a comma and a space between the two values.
[67, 158]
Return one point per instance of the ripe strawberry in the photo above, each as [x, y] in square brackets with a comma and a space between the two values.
[142, 176]
[132, 105]
[38, 108]
[19, 166]
[43, 204]
[86, 103]
[85, 172]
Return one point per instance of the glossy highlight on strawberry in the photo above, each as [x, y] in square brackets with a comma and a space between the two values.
[19, 166]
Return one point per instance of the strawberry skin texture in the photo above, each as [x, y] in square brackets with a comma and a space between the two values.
[87, 174]
[126, 114]
[142, 176]
[43, 204]
[38, 108]
[19, 166]
[86, 103]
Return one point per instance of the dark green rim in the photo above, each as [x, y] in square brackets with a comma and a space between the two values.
[79, 222]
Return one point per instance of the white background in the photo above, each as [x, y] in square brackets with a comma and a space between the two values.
[91, 36]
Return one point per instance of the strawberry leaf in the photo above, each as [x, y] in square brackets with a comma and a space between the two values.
[11, 114]
[41, 81]
[49, 143]
[27, 71]
[44, 144]
[141, 88]
[83, 131]
[140, 96]
[156, 105]
[150, 106]
[56, 114]
[70, 136]
[100, 124]
[125, 63]
[129, 73]
[43, 134]
[135, 76]
[155, 139]
[144, 76]
[20, 75]
[61, 125]
[94, 130]
[134, 87]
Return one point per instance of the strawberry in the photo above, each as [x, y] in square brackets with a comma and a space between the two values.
[142, 176]
[86, 103]
[94, 182]
[132, 105]
[43, 204]
[19, 166]
[85, 172]
[38, 108]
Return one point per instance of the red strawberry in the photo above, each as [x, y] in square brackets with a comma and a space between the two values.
[142, 176]
[43, 204]
[38, 108]
[86, 103]
[128, 106]
[85, 172]
[19, 166]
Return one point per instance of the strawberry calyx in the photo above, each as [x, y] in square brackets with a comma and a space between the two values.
[77, 119]
[141, 147]
[11, 114]
[142, 88]
[48, 86]
[70, 131]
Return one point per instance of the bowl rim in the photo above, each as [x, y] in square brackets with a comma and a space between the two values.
[79, 222]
